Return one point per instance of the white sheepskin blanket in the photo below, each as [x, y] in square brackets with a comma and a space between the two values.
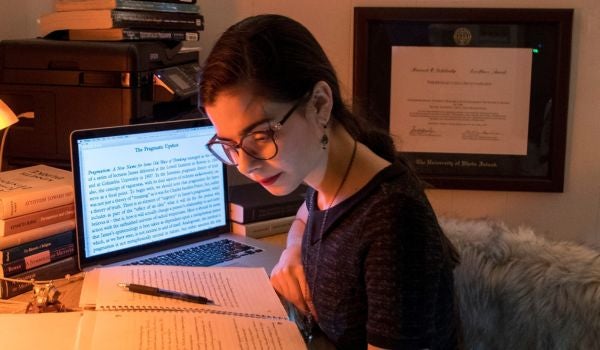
[520, 291]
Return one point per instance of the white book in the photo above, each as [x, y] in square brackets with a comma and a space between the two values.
[34, 188]
[36, 233]
[263, 228]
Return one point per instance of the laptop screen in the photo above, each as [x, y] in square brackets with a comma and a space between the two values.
[146, 187]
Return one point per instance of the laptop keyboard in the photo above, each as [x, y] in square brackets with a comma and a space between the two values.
[203, 255]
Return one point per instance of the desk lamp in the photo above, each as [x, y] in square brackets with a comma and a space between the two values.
[8, 118]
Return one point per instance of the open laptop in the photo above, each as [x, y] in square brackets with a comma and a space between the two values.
[153, 194]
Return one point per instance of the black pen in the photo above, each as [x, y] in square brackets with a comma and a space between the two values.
[138, 288]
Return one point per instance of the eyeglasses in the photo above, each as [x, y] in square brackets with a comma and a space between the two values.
[259, 145]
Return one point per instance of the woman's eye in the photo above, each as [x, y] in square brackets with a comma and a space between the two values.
[260, 137]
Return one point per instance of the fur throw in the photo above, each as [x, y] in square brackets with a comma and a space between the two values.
[520, 291]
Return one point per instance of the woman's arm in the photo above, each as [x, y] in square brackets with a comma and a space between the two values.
[287, 276]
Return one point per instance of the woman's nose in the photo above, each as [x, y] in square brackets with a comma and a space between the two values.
[246, 164]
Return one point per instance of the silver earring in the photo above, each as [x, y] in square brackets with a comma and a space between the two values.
[324, 141]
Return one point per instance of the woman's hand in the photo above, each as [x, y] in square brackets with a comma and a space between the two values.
[287, 276]
[289, 280]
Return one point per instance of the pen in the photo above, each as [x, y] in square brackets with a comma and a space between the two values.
[138, 288]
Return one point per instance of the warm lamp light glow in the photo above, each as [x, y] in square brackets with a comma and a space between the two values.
[8, 118]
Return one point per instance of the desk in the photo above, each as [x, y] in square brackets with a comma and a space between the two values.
[70, 290]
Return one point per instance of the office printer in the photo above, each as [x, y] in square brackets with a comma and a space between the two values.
[79, 84]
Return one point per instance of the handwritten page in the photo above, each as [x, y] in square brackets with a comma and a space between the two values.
[182, 330]
[235, 290]
[460, 99]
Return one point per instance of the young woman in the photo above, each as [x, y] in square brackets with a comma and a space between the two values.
[366, 260]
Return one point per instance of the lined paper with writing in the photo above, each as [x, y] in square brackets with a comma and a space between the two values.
[235, 290]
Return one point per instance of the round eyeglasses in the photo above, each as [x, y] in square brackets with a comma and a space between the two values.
[259, 145]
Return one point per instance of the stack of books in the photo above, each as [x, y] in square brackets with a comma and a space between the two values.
[116, 20]
[256, 213]
[37, 227]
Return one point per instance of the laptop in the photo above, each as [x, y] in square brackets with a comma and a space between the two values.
[154, 194]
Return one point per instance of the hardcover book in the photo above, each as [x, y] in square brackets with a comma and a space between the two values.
[263, 228]
[102, 19]
[36, 233]
[117, 34]
[251, 203]
[70, 5]
[175, 1]
[39, 187]
[38, 259]
[36, 219]
[54, 270]
[168, 1]
[22, 250]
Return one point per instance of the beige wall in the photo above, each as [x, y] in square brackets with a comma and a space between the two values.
[19, 17]
[573, 215]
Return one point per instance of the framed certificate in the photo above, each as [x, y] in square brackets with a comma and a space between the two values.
[474, 98]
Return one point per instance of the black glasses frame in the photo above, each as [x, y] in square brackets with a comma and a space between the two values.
[269, 133]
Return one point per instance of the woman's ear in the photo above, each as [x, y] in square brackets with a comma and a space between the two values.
[321, 102]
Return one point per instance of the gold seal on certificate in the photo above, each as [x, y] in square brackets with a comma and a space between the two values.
[462, 36]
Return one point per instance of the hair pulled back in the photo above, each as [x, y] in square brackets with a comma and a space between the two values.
[279, 59]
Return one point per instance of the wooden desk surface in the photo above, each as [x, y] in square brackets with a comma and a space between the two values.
[70, 290]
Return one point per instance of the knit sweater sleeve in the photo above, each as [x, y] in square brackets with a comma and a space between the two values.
[403, 267]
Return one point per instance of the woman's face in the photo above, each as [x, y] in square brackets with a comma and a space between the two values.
[237, 113]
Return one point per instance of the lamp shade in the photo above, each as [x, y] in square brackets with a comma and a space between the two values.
[7, 116]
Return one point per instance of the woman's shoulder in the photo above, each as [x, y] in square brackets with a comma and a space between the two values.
[398, 179]
[393, 189]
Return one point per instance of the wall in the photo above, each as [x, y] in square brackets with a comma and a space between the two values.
[573, 215]
[19, 17]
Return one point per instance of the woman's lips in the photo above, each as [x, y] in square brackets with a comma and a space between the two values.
[269, 180]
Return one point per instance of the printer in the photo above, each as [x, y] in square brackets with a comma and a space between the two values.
[73, 85]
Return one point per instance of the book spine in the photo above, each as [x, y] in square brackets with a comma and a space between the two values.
[148, 34]
[153, 19]
[30, 248]
[36, 233]
[175, 1]
[180, 7]
[61, 6]
[36, 260]
[21, 204]
[263, 228]
[36, 219]
[257, 213]
[51, 271]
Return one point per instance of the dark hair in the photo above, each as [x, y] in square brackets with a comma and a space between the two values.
[278, 58]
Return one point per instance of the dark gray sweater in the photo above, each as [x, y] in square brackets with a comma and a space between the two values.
[382, 271]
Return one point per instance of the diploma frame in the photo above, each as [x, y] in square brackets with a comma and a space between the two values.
[546, 31]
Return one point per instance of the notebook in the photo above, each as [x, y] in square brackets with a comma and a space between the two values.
[245, 311]
[146, 191]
